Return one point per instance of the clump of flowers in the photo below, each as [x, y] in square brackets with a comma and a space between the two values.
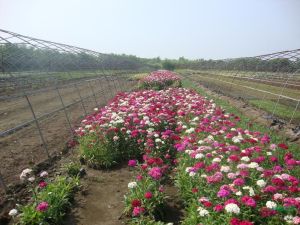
[161, 79]
[49, 199]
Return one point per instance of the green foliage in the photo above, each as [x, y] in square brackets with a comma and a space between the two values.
[100, 150]
[168, 65]
[282, 111]
[58, 195]
[73, 169]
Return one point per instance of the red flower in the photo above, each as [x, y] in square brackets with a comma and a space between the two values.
[136, 202]
[248, 201]
[195, 190]
[283, 146]
[266, 212]
[42, 184]
[234, 221]
[148, 195]
[207, 204]
[218, 208]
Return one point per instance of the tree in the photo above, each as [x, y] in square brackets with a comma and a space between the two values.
[168, 65]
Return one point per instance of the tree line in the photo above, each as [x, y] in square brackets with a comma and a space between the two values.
[23, 58]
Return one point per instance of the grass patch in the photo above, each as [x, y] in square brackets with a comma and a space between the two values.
[281, 111]
[293, 93]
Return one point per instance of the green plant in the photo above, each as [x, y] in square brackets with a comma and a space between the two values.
[101, 150]
[73, 169]
[56, 198]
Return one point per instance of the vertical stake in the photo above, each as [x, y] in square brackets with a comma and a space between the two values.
[65, 111]
[38, 126]
[81, 100]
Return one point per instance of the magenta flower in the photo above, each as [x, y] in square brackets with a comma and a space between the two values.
[132, 163]
[155, 173]
[239, 182]
[223, 193]
[42, 207]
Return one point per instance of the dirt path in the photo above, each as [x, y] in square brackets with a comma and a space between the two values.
[101, 200]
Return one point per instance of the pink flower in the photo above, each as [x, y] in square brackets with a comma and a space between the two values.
[248, 201]
[138, 211]
[42, 207]
[296, 220]
[155, 173]
[42, 184]
[132, 163]
[223, 193]
[218, 208]
[148, 195]
[239, 182]
[139, 177]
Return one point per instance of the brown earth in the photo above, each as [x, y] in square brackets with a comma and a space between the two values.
[101, 200]
[24, 148]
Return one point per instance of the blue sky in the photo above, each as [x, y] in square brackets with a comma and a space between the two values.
[166, 28]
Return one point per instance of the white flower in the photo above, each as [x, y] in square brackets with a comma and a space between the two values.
[95, 109]
[225, 169]
[251, 191]
[216, 160]
[200, 142]
[202, 211]
[25, 173]
[261, 183]
[253, 165]
[288, 219]
[271, 204]
[13, 212]
[210, 137]
[191, 130]
[157, 140]
[88, 126]
[277, 196]
[132, 185]
[196, 118]
[237, 139]
[192, 174]
[199, 156]
[239, 193]
[115, 138]
[31, 179]
[44, 174]
[245, 159]
[232, 208]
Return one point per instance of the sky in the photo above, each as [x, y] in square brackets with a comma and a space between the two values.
[209, 29]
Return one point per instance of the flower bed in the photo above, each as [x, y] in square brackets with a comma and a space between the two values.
[230, 175]
[225, 174]
[160, 79]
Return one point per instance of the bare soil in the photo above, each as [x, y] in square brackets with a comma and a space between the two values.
[101, 200]
[24, 148]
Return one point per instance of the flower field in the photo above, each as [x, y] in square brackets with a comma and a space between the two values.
[225, 174]
[160, 79]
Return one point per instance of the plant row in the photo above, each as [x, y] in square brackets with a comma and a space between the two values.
[230, 175]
